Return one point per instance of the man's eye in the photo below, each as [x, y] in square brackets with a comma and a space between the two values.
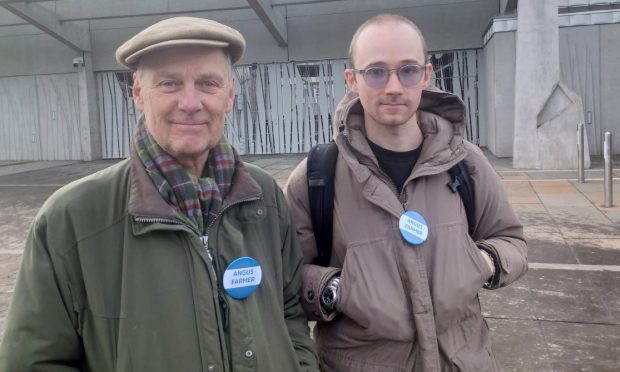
[410, 70]
[209, 84]
[375, 72]
[168, 84]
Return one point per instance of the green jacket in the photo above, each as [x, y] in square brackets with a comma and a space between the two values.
[111, 281]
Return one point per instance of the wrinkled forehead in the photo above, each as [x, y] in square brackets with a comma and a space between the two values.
[388, 43]
[184, 55]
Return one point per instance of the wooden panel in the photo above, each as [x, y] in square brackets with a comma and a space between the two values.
[59, 113]
[19, 133]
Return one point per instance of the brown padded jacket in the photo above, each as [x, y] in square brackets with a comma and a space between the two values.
[403, 307]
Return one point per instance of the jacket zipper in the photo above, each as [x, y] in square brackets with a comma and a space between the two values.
[224, 307]
[402, 197]
[204, 239]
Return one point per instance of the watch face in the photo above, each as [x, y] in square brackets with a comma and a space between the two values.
[328, 297]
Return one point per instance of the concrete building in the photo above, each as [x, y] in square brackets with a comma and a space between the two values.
[64, 97]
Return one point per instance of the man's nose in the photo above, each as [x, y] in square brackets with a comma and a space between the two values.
[393, 85]
[189, 100]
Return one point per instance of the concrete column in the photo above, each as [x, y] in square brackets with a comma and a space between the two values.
[90, 131]
[546, 111]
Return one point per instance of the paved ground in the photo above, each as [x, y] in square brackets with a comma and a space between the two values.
[563, 316]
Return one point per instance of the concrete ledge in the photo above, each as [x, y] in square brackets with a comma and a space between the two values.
[14, 167]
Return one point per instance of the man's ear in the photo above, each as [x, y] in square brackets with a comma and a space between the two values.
[136, 92]
[349, 77]
[230, 99]
[428, 72]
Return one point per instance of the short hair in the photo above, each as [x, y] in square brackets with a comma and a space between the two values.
[380, 20]
[140, 65]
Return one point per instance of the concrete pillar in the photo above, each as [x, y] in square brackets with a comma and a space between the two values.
[546, 111]
[90, 131]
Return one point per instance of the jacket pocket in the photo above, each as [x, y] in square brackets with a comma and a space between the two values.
[460, 272]
[372, 294]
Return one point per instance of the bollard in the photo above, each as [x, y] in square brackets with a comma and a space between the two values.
[609, 177]
[580, 155]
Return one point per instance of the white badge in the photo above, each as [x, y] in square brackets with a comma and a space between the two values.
[242, 277]
[413, 227]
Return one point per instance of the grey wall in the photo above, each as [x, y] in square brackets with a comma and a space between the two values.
[580, 70]
[610, 82]
[589, 58]
[497, 82]
[39, 118]
[33, 54]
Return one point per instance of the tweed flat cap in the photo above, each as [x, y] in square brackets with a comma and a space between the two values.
[181, 31]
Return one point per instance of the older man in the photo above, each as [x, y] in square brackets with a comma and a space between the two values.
[181, 258]
[401, 290]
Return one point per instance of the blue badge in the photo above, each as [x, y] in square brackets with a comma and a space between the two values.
[413, 227]
[242, 277]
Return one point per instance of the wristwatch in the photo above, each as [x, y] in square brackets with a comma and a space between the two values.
[329, 296]
[491, 280]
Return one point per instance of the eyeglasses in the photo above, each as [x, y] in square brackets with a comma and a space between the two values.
[377, 77]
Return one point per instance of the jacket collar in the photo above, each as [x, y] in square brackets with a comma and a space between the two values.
[146, 202]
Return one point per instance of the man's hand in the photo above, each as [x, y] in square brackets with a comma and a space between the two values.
[488, 260]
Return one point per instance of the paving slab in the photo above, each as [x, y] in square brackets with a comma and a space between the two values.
[520, 192]
[607, 286]
[513, 339]
[555, 295]
[9, 266]
[535, 218]
[589, 174]
[560, 193]
[18, 206]
[595, 251]
[583, 223]
[613, 216]
[576, 347]
[549, 247]
[513, 175]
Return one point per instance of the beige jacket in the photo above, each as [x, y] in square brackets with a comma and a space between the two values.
[403, 307]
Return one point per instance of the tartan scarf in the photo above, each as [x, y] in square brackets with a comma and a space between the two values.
[197, 200]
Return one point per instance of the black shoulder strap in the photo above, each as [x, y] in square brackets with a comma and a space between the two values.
[321, 171]
[461, 182]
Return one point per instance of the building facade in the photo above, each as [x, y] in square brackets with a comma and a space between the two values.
[64, 97]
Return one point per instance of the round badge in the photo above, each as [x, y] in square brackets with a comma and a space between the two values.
[242, 277]
[413, 227]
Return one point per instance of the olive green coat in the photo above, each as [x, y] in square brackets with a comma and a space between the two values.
[110, 281]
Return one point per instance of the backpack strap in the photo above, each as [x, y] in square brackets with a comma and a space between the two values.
[321, 174]
[461, 182]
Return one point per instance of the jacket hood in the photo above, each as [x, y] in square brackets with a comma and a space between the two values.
[435, 101]
[441, 117]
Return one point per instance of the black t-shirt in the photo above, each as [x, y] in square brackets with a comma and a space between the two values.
[396, 164]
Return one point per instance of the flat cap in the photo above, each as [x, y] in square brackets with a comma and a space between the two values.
[181, 31]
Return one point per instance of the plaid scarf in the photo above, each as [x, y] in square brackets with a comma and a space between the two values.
[197, 200]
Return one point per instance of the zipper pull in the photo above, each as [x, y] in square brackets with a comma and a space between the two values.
[205, 243]
[223, 306]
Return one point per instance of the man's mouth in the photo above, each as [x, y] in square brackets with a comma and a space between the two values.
[393, 103]
[188, 123]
